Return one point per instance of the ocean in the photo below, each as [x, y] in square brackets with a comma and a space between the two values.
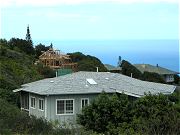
[165, 53]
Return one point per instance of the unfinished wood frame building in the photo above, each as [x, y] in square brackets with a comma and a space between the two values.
[56, 60]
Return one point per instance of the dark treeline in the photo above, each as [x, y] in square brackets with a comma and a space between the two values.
[149, 115]
[24, 46]
[87, 62]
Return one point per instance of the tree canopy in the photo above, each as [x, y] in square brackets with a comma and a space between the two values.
[128, 69]
[87, 62]
[116, 114]
[22, 45]
[39, 49]
[152, 77]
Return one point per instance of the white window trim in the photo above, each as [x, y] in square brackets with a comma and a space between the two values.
[65, 113]
[34, 101]
[84, 99]
[24, 109]
[29, 104]
[45, 107]
[38, 104]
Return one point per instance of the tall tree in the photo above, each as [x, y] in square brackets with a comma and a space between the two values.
[28, 36]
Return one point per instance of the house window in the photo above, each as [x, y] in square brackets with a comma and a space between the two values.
[64, 106]
[33, 102]
[172, 77]
[41, 104]
[84, 102]
[25, 102]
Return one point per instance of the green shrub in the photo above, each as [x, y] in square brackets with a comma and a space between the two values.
[152, 114]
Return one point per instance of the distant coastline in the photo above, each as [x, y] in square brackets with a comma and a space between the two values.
[163, 52]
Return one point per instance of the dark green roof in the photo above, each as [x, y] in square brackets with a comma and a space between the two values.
[155, 69]
[111, 67]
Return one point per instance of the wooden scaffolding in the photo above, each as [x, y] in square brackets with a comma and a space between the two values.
[56, 60]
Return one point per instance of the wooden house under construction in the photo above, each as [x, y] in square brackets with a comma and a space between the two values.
[56, 60]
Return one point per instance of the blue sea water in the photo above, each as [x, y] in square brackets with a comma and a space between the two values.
[165, 53]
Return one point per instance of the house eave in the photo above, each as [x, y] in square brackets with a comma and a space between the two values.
[129, 94]
[17, 90]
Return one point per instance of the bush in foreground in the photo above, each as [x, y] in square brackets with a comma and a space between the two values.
[115, 114]
[12, 121]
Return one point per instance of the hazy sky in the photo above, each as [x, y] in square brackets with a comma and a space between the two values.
[90, 19]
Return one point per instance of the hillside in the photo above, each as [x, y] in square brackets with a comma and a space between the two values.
[87, 62]
[15, 69]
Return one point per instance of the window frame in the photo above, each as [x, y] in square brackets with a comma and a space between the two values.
[41, 99]
[34, 107]
[65, 107]
[82, 100]
[25, 102]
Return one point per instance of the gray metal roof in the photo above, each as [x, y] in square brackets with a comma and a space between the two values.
[155, 69]
[76, 83]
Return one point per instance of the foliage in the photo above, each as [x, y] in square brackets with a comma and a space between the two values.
[105, 112]
[128, 69]
[87, 62]
[39, 49]
[3, 42]
[28, 36]
[116, 114]
[157, 115]
[152, 77]
[176, 79]
[77, 56]
[22, 45]
[15, 69]
[45, 71]
[12, 120]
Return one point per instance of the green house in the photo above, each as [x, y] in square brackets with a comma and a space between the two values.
[61, 98]
[166, 74]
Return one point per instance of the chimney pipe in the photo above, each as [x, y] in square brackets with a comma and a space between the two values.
[131, 75]
[56, 73]
[97, 69]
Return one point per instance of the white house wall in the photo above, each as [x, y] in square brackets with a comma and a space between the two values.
[36, 111]
[66, 118]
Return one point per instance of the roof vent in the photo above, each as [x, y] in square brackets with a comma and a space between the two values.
[91, 81]
[97, 68]
[51, 81]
